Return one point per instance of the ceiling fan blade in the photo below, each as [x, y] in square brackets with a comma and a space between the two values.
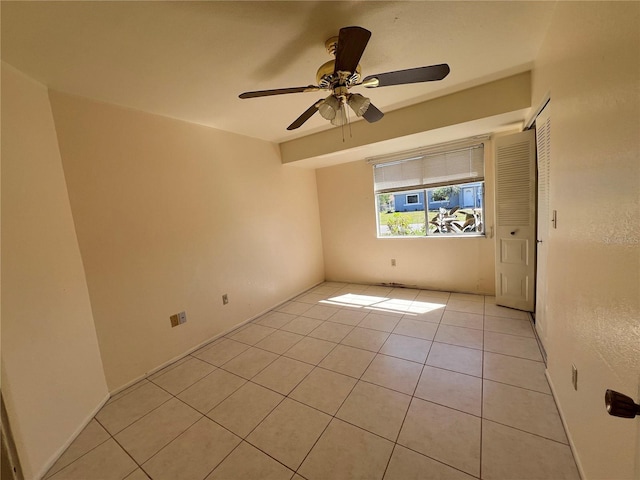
[306, 115]
[279, 91]
[351, 44]
[372, 114]
[411, 75]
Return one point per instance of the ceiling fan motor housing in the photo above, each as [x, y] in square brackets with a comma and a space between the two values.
[327, 78]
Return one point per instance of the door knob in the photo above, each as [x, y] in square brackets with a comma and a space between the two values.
[620, 405]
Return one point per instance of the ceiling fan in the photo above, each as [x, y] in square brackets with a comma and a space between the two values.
[343, 73]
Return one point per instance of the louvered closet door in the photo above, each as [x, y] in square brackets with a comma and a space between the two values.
[515, 220]
[543, 154]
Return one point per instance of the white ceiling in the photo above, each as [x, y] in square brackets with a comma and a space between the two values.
[190, 60]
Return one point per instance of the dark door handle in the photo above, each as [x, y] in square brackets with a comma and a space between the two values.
[620, 405]
[514, 232]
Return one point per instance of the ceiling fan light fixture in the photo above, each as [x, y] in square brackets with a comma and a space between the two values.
[340, 117]
[358, 103]
[329, 107]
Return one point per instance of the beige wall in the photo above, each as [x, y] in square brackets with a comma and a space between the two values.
[52, 377]
[172, 215]
[353, 253]
[589, 63]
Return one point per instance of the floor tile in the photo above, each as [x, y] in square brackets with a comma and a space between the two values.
[404, 293]
[152, 432]
[327, 288]
[465, 306]
[168, 367]
[490, 308]
[348, 360]
[283, 375]
[137, 475]
[127, 390]
[349, 317]
[366, 339]
[184, 375]
[279, 342]
[462, 319]
[451, 389]
[461, 336]
[358, 300]
[246, 463]
[252, 334]
[526, 410]
[242, 411]
[375, 409]
[294, 308]
[346, 452]
[467, 297]
[510, 453]
[222, 352]
[406, 464]
[408, 348]
[378, 291]
[277, 319]
[321, 312]
[458, 359]
[123, 412]
[512, 326]
[375, 321]
[310, 350]
[301, 325]
[211, 390]
[311, 298]
[426, 312]
[289, 432]
[393, 373]
[250, 363]
[193, 454]
[433, 294]
[92, 436]
[107, 462]
[516, 371]
[514, 345]
[324, 390]
[331, 331]
[416, 328]
[447, 435]
[390, 307]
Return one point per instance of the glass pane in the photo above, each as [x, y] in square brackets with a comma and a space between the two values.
[456, 209]
[401, 214]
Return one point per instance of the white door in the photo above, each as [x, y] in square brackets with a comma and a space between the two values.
[515, 220]
[468, 197]
[543, 155]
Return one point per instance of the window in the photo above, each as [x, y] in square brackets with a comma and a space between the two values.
[413, 198]
[426, 193]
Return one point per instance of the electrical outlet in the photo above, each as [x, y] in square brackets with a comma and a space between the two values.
[393, 262]
[178, 319]
[574, 377]
[225, 299]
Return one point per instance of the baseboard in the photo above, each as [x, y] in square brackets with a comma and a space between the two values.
[208, 341]
[576, 457]
[54, 458]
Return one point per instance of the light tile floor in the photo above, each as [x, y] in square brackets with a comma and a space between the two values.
[344, 382]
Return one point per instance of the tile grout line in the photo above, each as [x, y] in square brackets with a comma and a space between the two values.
[317, 366]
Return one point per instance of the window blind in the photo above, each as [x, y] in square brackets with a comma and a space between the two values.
[430, 170]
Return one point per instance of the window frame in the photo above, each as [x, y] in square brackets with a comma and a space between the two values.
[420, 157]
